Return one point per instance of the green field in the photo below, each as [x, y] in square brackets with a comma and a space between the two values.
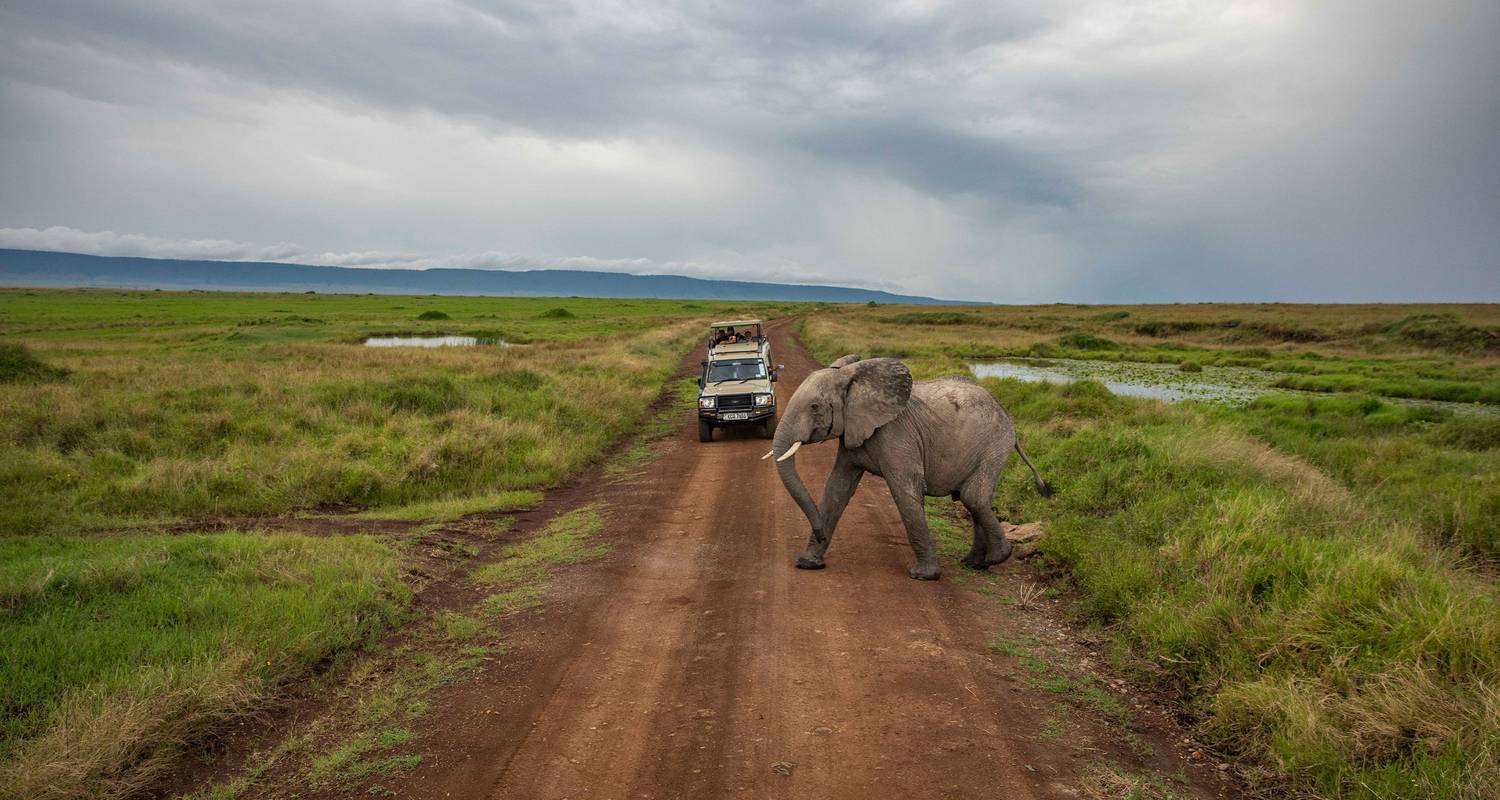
[124, 414]
[1313, 574]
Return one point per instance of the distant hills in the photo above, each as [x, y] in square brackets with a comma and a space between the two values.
[40, 268]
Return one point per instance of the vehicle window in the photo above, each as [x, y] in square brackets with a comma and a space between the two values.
[736, 370]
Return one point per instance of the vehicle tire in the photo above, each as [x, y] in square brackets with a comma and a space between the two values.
[705, 431]
[768, 428]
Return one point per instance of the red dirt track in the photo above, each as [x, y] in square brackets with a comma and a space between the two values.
[695, 662]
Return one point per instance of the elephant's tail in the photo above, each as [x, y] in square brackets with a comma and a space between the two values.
[1041, 485]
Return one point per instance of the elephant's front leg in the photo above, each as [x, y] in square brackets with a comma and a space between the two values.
[842, 482]
[908, 497]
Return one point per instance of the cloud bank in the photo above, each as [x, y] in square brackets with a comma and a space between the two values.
[1085, 150]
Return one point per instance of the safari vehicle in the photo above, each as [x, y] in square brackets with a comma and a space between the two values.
[736, 385]
[738, 337]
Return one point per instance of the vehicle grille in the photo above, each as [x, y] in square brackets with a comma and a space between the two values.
[736, 402]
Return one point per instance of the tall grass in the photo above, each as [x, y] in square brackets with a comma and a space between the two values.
[120, 650]
[1317, 636]
[206, 421]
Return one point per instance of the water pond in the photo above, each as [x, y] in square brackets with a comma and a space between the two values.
[431, 341]
[1230, 385]
[1225, 385]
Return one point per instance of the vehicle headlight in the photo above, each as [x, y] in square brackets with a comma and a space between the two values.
[763, 399]
[707, 402]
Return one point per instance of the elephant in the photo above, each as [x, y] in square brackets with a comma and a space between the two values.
[944, 437]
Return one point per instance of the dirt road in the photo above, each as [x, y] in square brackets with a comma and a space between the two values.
[696, 662]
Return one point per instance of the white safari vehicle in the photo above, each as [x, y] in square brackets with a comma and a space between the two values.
[736, 385]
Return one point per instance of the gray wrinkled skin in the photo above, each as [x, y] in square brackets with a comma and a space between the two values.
[946, 437]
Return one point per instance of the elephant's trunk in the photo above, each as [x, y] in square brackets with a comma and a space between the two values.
[787, 470]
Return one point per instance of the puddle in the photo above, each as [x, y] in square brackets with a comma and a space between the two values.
[1224, 385]
[432, 341]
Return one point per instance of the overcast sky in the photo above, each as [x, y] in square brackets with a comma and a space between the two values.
[1088, 151]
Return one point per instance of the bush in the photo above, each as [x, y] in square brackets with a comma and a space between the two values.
[1474, 432]
[18, 364]
[434, 314]
[1111, 316]
[933, 318]
[1190, 366]
[1442, 332]
[1086, 341]
[557, 313]
[1162, 329]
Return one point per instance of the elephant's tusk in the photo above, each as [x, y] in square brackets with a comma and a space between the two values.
[790, 451]
[768, 454]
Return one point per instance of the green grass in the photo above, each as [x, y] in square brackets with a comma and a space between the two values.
[119, 649]
[565, 540]
[1429, 468]
[1300, 571]
[1313, 633]
[362, 757]
[684, 404]
[193, 405]
[516, 599]
[448, 510]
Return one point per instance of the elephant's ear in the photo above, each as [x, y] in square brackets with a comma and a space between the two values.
[844, 362]
[878, 391]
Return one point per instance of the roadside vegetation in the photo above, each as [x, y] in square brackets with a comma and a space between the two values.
[1449, 353]
[131, 421]
[1313, 576]
[191, 406]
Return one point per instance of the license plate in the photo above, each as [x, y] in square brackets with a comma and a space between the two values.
[733, 415]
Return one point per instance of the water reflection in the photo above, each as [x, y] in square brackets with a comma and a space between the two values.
[431, 341]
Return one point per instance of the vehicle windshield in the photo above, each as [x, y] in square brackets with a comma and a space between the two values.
[745, 369]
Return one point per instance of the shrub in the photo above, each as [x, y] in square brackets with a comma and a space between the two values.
[434, 314]
[1442, 332]
[1190, 366]
[1162, 328]
[18, 364]
[933, 318]
[557, 313]
[1111, 316]
[1475, 432]
[1086, 341]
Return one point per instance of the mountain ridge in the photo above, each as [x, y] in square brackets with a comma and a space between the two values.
[45, 268]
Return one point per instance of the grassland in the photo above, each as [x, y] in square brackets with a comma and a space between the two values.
[130, 422]
[1312, 575]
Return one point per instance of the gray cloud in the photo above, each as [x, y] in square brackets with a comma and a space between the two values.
[1080, 150]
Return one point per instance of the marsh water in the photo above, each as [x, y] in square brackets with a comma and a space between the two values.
[1225, 385]
[431, 341]
[1230, 385]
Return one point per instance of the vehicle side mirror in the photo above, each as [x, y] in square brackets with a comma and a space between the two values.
[700, 383]
[773, 377]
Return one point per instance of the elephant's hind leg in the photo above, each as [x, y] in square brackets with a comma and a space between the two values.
[978, 497]
[979, 550]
